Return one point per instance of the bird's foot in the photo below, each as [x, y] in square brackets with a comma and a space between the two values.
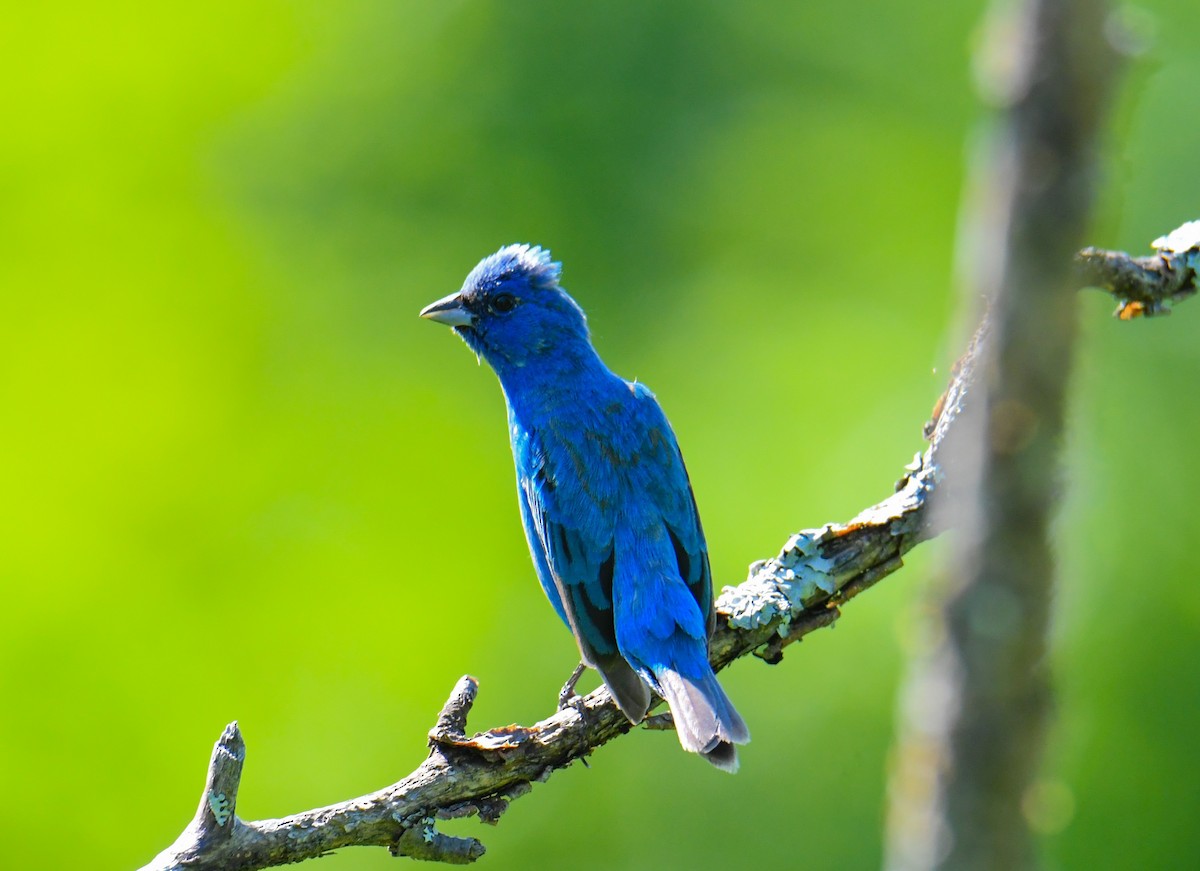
[567, 697]
[663, 722]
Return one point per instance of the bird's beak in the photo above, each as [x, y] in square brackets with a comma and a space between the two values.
[449, 310]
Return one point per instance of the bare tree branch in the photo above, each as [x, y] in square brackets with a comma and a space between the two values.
[1146, 285]
[785, 598]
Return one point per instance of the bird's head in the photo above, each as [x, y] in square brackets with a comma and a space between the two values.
[511, 309]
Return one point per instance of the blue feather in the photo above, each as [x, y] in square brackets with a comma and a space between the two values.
[605, 500]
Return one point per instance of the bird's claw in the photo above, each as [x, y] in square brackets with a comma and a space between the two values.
[663, 722]
[567, 697]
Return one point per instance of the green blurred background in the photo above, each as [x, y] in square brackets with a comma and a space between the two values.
[243, 480]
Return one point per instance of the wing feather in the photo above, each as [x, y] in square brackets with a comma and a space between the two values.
[578, 556]
[667, 484]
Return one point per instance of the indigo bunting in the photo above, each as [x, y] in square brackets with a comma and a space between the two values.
[605, 499]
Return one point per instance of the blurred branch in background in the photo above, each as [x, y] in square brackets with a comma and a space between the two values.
[976, 708]
[784, 599]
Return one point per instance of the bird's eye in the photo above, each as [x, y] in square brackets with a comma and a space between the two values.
[503, 303]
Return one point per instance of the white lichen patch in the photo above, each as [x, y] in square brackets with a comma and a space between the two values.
[1180, 240]
[780, 586]
[219, 805]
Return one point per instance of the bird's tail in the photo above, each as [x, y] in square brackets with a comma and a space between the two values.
[705, 719]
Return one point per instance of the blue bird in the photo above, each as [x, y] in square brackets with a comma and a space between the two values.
[605, 499]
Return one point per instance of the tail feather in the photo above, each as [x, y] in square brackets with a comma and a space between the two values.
[705, 719]
[724, 756]
[630, 691]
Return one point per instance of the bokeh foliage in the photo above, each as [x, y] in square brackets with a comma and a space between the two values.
[242, 480]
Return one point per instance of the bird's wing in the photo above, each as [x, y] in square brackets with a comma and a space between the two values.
[568, 504]
[662, 476]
